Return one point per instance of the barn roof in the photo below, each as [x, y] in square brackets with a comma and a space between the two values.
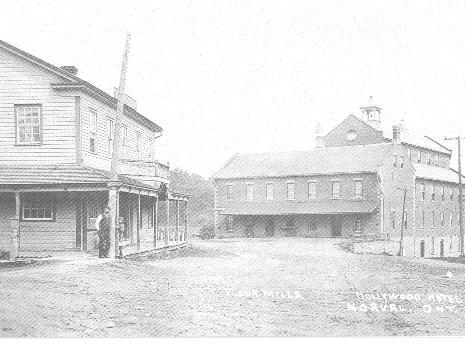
[333, 160]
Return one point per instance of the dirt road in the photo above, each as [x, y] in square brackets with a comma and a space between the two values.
[294, 287]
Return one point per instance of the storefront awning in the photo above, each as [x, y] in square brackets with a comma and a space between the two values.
[293, 207]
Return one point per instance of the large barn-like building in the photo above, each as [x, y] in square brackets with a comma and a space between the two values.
[352, 184]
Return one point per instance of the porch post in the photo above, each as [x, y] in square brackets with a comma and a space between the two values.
[139, 221]
[15, 231]
[155, 221]
[177, 221]
[167, 235]
[113, 196]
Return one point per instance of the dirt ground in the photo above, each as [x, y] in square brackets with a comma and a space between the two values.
[246, 287]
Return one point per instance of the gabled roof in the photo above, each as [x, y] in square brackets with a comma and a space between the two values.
[73, 82]
[422, 141]
[333, 160]
[293, 207]
[434, 173]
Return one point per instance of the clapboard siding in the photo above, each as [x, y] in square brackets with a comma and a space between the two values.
[22, 82]
[101, 158]
[57, 235]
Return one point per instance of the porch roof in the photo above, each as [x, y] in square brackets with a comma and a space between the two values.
[65, 174]
[293, 207]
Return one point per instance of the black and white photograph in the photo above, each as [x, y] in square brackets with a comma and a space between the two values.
[232, 168]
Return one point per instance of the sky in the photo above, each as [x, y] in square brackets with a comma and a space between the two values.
[223, 77]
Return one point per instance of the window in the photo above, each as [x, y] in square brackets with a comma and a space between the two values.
[336, 189]
[418, 156]
[290, 190]
[423, 192]
[436, 160]
[28, 124]
[110, 136]
[358, 188]
[269, 191]
[432, 219]
[138, 137]
[423, 219]
[249, 191]
[442, 219]
[451, 194]
[124, 135]
[433, 195]
[428, 159]
[405, 220]
[229, 192]
[451, 219]
[443, 193]
[432, 245]
[312, 189]
[229, 223]
[393, 219]
[92, 130]
[358, 226]
[394, 163]
[37, 210]
[402, 161]
[290, 222]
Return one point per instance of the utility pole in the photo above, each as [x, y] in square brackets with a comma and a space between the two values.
[460, 194]
[403, 222]
[113, 193]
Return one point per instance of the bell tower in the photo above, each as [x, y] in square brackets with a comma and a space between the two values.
[372, 114]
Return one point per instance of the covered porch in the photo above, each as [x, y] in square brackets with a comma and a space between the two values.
[61, 216]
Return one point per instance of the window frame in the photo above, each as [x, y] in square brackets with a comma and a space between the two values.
[269, 196]
[358, 225]
[230, 191]
[418, 156]
[442, 219]
[289, 184]
[110, 135]
[423, 192]
[333, 182]
[17, 126]
[423, 216]
[356, 180]
[93, 135]
[315, 183]
[49, 204]
[229, 223]
[247, 186]
[432, 219]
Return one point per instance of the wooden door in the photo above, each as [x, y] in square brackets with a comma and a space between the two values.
[269, 227]
[336, 226]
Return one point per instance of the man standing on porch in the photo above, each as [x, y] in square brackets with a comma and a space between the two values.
[103, 231]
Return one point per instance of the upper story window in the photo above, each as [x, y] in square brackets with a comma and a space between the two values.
[358, 188]
[443, 193]
[290, 190]
[336, 189]
[432, 219]
[428, 161]
[436, 160]
[423, 192]
[394, 163]
[451, 194]
[138, 139]
[442, 219]
[249, 191]
[312, 189]
[402, 161]
[433, 193]
[110, 135]
[229, 192]
[418, 156]
[92, 130]
[269, 191]
[28, 124]
[423, 219]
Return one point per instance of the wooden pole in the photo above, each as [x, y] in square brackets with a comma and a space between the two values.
[15, 229]
[462, 254]
[139, 221]
[119, 113]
